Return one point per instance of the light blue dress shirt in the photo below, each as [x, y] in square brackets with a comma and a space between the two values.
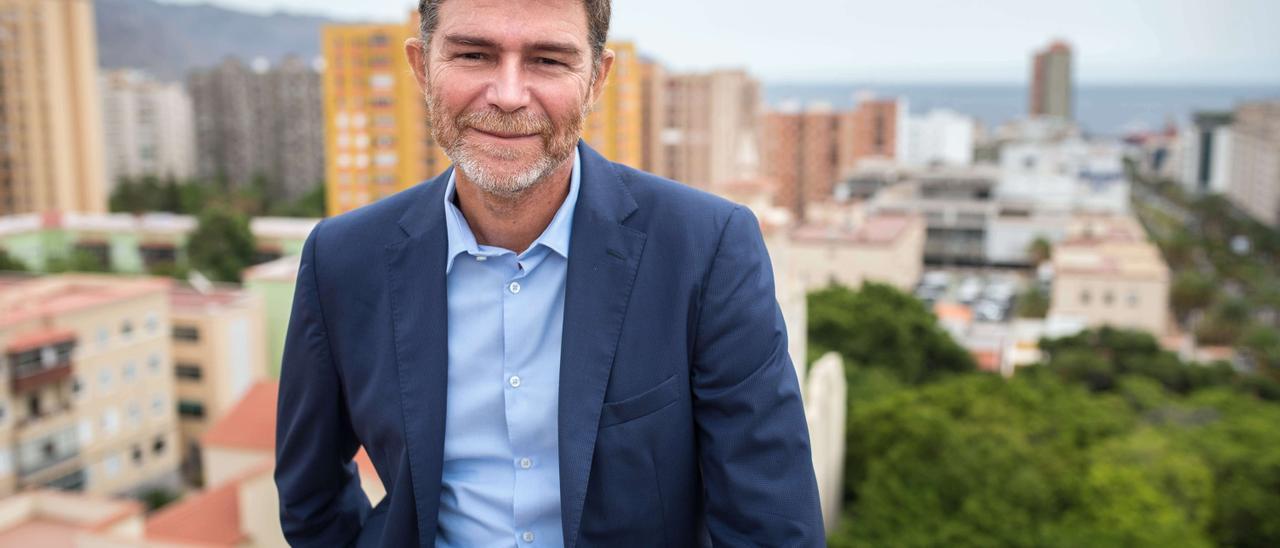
[501, 480]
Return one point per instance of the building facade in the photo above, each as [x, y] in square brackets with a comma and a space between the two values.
[710, 133]
[87, 397]
[260, 121]
[615, 127]
[1107, 273]
[149, 127]
[1206, 153]
[1052, 84]
[51, 138]
[219, 351]
[1255, 161]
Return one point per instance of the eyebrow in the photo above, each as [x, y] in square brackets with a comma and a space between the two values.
[563, 48]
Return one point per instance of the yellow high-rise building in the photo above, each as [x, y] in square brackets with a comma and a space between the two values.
[377, 137]
[615, 127]
[51, 143]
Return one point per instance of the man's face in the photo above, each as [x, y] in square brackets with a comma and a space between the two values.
[507, 86]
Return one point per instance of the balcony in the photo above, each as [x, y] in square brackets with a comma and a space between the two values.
[40, 358]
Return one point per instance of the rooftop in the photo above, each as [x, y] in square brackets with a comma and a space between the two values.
[284, 269]
[55, 519]
[61, 294]
[879, 229]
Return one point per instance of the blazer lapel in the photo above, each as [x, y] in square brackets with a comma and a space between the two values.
[419, 310]
[604, 257]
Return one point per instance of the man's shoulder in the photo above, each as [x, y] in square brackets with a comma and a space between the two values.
[374, 225]
[663, 199]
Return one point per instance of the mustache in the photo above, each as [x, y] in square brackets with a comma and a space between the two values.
[495, 121]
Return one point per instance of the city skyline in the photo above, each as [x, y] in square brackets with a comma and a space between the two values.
[1136, 42]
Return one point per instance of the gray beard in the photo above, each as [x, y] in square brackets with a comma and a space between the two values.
[494, 184]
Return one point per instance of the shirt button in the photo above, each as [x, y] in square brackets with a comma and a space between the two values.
[527, 536]
[515, 381]
[526, 463]
[515, 288]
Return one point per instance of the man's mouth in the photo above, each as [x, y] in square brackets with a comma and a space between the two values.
[503, 134]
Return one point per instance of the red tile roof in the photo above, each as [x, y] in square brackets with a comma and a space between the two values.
[251, 424]
[38, 338]
[211, 518]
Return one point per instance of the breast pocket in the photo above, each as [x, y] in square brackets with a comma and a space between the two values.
[639, 405]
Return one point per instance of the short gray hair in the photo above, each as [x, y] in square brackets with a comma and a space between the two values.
[599, 12]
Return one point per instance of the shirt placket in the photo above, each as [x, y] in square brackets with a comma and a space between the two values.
[518, 398]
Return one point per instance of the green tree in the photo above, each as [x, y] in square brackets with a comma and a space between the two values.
[1033, 303]
[221, 246]
[1040, 250]
[1191, 291]
[10, 263]
[880, 326]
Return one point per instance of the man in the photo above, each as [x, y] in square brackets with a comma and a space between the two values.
[539, 347]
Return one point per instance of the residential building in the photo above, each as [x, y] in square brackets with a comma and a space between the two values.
[53, 157]
[1255, 161]
[615, 127]
[274, 283]
[377, 135]
[804, 153]
[219, 351]
[148, 127]
[653, 99]
[47, 518]
[1107, 273]
[88, 404]
[879, 130]
[127, 243]
[710, 133]
[260, 122]
[883, 247]
[1052, 84]
[1206, 153]
[940, 137]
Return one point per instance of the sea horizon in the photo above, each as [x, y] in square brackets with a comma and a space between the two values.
[1102, 109]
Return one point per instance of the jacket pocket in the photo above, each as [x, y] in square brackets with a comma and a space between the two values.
[639, 405]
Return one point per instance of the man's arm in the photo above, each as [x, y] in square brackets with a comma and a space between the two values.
[753, 438]
[321, 503]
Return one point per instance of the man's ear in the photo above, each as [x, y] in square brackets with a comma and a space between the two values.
[602, 74]
[415, 50]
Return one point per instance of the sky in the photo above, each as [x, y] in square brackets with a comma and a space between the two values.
[1177, 42]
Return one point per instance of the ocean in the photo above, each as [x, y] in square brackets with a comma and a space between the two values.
[1102, 110]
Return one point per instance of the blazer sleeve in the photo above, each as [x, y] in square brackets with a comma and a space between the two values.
[321, 502]
[753, 440]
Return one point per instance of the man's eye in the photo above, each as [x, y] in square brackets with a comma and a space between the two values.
[549, 62]
[471, 56]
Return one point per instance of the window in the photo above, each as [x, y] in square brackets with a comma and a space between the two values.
[137, 454]
[1084, 297]
[130, 373]
[111, 421]
[1133, 299]
[157, 405]
[104, 336]
[1108, 298]
[188, 371]
[77, 388]
[191, 409]
[186, 333]
[153, 323]
[104, 380]
[126, 329]
[111, 465]
[85, 432]
[153, 364]
[135, 415]
[157, 447]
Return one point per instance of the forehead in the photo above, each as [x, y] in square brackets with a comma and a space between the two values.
[513, 23]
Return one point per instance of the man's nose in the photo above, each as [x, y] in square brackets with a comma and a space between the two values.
[509, 90]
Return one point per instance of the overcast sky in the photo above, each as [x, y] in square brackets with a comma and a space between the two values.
[986, 41]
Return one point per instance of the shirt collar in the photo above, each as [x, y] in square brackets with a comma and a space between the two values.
[555, 237]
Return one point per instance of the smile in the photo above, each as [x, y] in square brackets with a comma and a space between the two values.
[501, 135]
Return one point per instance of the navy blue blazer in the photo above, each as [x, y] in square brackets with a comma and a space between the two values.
[680, 419]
